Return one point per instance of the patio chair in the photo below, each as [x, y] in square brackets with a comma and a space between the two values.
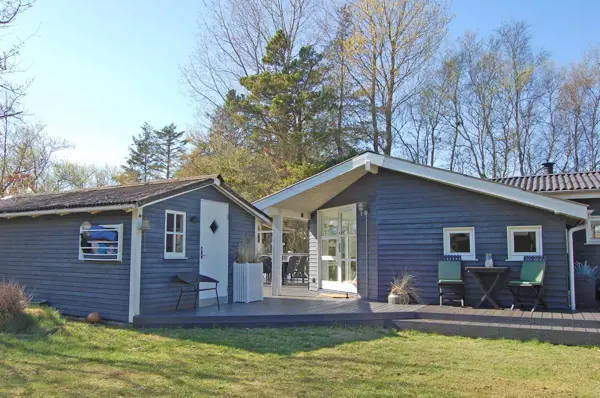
[291, 266]
[267, 267]
[451, 285]
[193, 280]
[301, 270]
[531, 281]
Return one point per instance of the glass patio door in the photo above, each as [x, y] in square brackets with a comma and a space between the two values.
[338, 248]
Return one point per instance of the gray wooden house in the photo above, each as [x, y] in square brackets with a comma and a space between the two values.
[374, 216]
[116, 250]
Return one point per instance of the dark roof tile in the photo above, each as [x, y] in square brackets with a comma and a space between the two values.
[103, 196]
[584, 181]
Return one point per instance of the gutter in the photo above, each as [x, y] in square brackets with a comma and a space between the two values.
[571, 231]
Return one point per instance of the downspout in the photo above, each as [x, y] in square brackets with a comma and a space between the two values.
[576, 228]
[362, 208]
[366, 214]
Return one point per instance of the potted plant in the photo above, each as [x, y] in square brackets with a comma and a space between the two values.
[404, 290]
[247, 273]
[585, 285]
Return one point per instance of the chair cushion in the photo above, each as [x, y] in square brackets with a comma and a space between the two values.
[451, 281]
[523, 283]
[449, 270]
[533, 271]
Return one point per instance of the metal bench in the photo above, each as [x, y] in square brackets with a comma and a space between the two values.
[192, 280]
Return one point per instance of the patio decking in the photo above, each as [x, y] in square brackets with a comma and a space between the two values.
[283, 311]
[298, 307]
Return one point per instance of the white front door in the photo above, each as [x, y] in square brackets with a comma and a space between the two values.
[214, 246]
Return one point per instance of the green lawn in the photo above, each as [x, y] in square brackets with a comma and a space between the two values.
[79, 359]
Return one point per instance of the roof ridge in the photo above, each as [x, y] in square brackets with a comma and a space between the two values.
[108, 187]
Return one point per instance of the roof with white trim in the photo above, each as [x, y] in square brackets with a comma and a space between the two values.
[310, 194]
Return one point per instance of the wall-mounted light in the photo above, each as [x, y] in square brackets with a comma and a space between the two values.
[194, 219]
[363, 208]
[144, 224]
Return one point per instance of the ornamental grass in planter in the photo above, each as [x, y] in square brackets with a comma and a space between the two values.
[404, 290]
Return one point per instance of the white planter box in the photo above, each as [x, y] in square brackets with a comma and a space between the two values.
[247, 282]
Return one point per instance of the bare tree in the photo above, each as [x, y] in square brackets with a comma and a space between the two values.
[231, 42]
[393, 40]
[522, 90]
[27, 157]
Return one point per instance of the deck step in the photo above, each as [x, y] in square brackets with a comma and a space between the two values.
[512, 317]
[550, 334]
[191, 320]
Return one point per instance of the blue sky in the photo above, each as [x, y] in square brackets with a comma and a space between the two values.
[102, 68]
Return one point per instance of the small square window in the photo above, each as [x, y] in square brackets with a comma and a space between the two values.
[596, 231]
[460, 241]
[593, 231]
[524, 241]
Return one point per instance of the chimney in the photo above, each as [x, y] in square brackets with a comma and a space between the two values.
[548, 167]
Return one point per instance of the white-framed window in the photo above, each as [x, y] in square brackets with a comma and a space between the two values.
[524, 241]
[460, 241]
[100, 242]
[593, 230]
[174, 234]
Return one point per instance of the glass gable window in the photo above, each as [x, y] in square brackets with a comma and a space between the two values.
[100, 242]
[460, 241]
[524, 241]
[174, 234]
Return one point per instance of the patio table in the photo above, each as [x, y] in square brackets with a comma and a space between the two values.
[487, 279]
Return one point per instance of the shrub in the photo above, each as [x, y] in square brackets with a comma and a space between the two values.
[13, 301]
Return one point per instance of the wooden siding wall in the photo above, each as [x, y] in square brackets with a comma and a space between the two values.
[406, 220]
[412, 213]
[362, 190]
[158, 291]
[43, 254]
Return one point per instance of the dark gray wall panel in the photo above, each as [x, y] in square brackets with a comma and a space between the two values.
[412, 213]
[43, 254]
[158, 291]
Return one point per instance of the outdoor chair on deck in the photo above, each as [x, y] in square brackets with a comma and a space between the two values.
[451, 285]
[531, 281]
[267, 267]
[192, 280]
[292, 266]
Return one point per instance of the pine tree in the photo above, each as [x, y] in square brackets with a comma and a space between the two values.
[142, 160]
[285, 107]
[170, 145]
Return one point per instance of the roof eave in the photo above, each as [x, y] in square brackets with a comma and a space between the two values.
[499, 190]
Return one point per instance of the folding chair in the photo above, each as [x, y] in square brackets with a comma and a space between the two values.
[451, 285]
[531, 281]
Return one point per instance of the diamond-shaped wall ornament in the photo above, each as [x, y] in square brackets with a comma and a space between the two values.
[214, 226]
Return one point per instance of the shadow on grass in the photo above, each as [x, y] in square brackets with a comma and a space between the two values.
[280, 341]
